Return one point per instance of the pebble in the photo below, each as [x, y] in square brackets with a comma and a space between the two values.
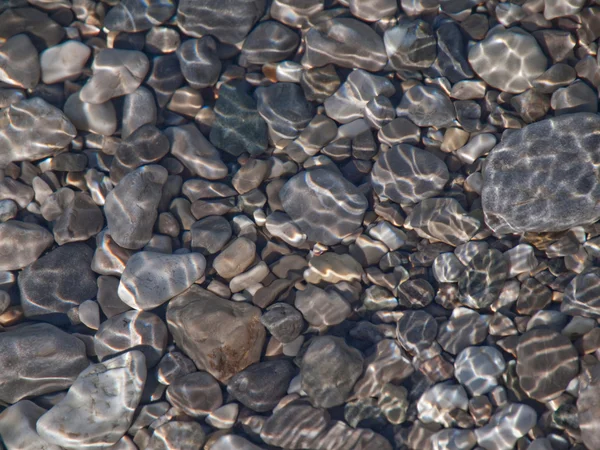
[514, 202]
[131, 16]
[268, 42]
[214, 17]
[451, 59]
[19, 62]
[96, 118]
[261, 386]
[38, 359]
[436, 404]
[24, 19]
[139, 108]
[177, 435]
[427, 106]
[582, 295]
[150, 279]
[46, 286]
[283, 321]
[452, 336]
[546, 363]
[63, 62]
[99, 407]
[319, 83]
[335, 207]
[17, 427]
[21, 244]
[199, 62]
[410, 45]
[483, 279]
[587, 405]
[406, 174]
[132, 227]
[329, 370]
[478, 369]
[197, 394]
[238, 127]
[322, 308]
[172, 366]
[345, 42]
[496, 60]
[132, 330]
[33, 129]
[506, 427]
[80, 220]
[115, 73]
[236, 335]
[235, 258]
[416, 331]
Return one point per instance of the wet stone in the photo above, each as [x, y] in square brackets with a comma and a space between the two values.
[483, 279]
[19, 62]
[235, 258]
[132, 330]
[323, 204]
[427, 106]
[81, 220]
[546, 363]
[406, 174]
[21, 244]
[322, 307]
[514, 202]
[132, 227]
[283, 321]
[199, 62]
[416, 331]
[451, 59]
[582, 296]
[177, 435]
[47, 288]
[319, 83]
[261, 386]
[284, 108]
[99, 407]
[220, 336]
[410, 45]
[478, 369]
[44, 31]
[533, 297]
[115, 73]
[214, 17]
[437, 403]
[329, 370]
[238, 127]
[210, 234]
[17, 427]
[506, 426]
[415, 293]
[150, 279]
[33, 129]
[464, 328]
[509, 71]
[268, 42]
[132, 16]
[63, 62]
[197, 394]
[346, 43]
[576, 98]
[96, 118]
[38, 359]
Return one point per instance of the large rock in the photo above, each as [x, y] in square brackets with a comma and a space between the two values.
[99, 407]
[38, 359]
[57, 282]
[131, 207]
[221, 336]
[33, 129]
[323, 204]
[22, 243]
[544, 177]
[150, 279]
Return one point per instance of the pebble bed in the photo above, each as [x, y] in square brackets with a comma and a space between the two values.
[299, 224]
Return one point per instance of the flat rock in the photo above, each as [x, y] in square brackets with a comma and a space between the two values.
[261, 386]
[33, 129]
[197, 394]
[115, 73]
[131, 207]
[464, 328]
[132, 16]
[322, 307]
[284, 108]
[442, 219]
[38, 359]
[406, 174]
[546, 363]
[506, 427]
[177, 435]
[44, 31]
[99, 407]
[81, 220]
[483, 279]
[269, 42]
[478, 369]
[96, 118]
[139, 108]
[410, 45]
[150, 279]
[215, 17]
[210, 234]
[17, 427]
[64, 61]
[329, 370]
[132, 330]
[221, 336]
[21, 244]
[235, 258]
[283, 321]
[47, 288]
[427, 106]
[344, 42]
[200, 64]
[238, 127]
[508, 59]
[582, 295]
[416, 331]
[323, 204]
[19, 62]
[551, 185]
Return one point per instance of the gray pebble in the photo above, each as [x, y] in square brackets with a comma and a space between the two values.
[210, 234]
[21, 243]
[200, 64]
[235, 258]
[268, 42]
[283, 321]
[197, 394]
[132, 16]
[427, 106]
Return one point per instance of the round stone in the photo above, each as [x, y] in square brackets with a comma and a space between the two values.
[323, 204]
[477, 369]
[582, 295]
[508, 59]
[406, 174]
[197, 394]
